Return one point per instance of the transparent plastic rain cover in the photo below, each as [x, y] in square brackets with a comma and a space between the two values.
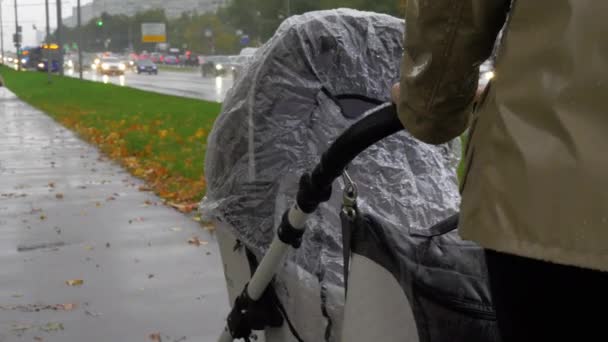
[282, 113]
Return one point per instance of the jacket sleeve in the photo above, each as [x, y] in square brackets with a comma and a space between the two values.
[445, 42]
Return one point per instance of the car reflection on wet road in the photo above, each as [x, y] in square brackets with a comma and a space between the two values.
[187, 84]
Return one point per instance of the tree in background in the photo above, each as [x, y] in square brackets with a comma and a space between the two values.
[211, 33]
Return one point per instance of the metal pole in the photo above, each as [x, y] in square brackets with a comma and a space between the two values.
[79, 41]
[1, 35]
[49, 59]
[59, 43]
[18, 42]
[288, 8]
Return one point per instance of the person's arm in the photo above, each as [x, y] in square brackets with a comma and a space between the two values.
[445, 42]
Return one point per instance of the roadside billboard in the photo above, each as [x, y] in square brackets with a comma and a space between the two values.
[153, 33]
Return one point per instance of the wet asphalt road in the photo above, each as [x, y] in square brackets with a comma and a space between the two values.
[140, 275]
[180, 83]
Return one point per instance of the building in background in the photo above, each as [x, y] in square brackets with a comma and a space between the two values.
[173, 8]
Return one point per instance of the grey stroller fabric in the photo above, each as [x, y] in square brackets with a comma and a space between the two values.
[282, 114]
[444, 278]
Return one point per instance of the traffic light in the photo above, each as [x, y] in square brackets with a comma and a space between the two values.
[100, 23]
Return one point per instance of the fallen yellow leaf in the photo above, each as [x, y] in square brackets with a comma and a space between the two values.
[59, 196]
[74, 282]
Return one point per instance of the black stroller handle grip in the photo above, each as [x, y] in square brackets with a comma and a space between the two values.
[379, 124]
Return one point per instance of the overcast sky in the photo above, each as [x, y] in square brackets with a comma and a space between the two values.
[31, 12]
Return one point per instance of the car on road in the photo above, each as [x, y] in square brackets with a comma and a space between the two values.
[146, 66]
[171, 60]
[215, 66]
[111, 66]
[43, 65]
[156, 57]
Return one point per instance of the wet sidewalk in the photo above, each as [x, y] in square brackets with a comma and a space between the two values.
[85, 256]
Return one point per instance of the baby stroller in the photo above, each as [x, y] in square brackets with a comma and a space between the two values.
[381, 259]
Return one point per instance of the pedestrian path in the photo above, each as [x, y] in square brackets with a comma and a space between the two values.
[85, 255]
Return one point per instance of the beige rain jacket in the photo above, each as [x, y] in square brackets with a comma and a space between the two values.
[536, 183]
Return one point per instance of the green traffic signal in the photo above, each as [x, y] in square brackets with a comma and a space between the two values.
[99, 23]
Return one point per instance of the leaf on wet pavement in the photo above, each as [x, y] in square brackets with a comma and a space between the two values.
[145, 188]
[38, 338]
[184, 208]
[21, 328]
[67, 307]
[59, 196]
[91, 313]
[42, 217]
[155, 337]
[98, 204]
[51, 185]
[74, 282]
[209, 226]
[111, 198]
[196, 241]
[197, 218]
[89, 248]
[50, 327]
[175, 229]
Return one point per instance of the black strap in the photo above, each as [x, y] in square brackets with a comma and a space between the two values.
[441, 228]
[348, 225]
[253, 265]
[288, 233]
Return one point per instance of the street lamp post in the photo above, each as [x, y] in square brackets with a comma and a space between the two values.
[1, 35]
[49, 59]
[79, 42]
[17, 38]
[59, 42]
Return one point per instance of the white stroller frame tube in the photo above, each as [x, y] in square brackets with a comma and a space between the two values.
[314, 189]
[274, 257]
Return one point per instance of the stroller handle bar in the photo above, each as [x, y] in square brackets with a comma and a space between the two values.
[380, 123]
[315, 188]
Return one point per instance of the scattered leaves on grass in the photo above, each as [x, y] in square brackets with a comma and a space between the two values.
[74, 282]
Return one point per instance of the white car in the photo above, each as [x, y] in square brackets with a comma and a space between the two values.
[111, 66]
